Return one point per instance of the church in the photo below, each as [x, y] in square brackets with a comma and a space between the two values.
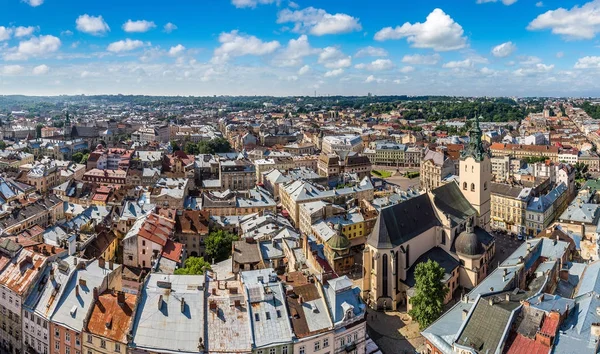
[449, 224]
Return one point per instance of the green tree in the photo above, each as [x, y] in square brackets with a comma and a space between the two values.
[581, 171]
[38, 130]
[214, 146]
[218, 245]
[77, 157]
[2, 145]
[428, 302]
[193, 266]
[175, 145]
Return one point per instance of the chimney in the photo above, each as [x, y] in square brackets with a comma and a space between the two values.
[74, 261]
[300, 300]
[182, 304]
[542, 298]
[160, 302]
[465, 313]
[110, 264]
[214, 291]
[95, 294]
[51, 273]
[213, 305]
[82, 282]
[507, 296]
[101, 262]
[491, 301]
[121, 298]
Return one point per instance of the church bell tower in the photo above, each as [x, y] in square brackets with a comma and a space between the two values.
[475, 176]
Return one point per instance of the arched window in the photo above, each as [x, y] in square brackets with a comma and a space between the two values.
[472, 169]
[384, 260]
[465, 185]
[485, 186]
[465, 168]
[472, 187]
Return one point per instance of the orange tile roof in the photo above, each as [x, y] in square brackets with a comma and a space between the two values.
[157, 229]
[119, 316]
[20, 273]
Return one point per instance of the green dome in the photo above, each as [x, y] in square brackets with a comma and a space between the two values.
[338, 242]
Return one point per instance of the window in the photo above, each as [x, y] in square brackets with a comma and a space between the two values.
[355, 336]
[278, 313]
[67, 337]
[325, 342]
[67, 350]
[57, 346]
[284, 350]
[56, 333]
[77, 341]
[342, 341]
[89, 338]
[302, 351]
[272, 351]
[317, 346]
[268, 314]
[465, 185]
[472, 187]
[117, 347]
[102, 343]
[256, 317]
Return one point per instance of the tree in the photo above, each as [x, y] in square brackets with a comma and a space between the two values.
[77, 157]
[214, 146]
[193, 266]
[428, 302]
[2, 145]
[581, 171]
[218, 245]
[175, 146]
[38, 130]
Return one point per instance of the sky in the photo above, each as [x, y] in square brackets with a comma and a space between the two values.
[300, 47]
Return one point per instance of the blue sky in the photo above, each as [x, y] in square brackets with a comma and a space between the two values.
[270, 47]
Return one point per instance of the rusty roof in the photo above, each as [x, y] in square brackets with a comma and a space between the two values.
[21, 272]
[192, 222]
[109, 319]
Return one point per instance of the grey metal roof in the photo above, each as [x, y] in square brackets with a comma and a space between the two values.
[160, 324]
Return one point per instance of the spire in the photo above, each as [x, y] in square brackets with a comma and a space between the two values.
[475, 148]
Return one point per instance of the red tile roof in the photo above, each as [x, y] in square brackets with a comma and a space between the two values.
[157, 229]
[172, 250]
[524, 345]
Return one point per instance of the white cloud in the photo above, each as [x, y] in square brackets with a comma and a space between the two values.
[169, 27]
[539, 4]
[407, 69]
[560, 55]
[12, 69]
[235, 44]
[418, 59]
[40, 69]
[503, 50]
[24, 31]
[293, 54]
[439, 32]
[34, 47]
[140, 26]
[529, 60]
[124, 45]
[333, 58]
[534, 70]
[371, 52]
[303, 70]
[250, 3]
[577, 23]
[488, 72]
[377, 65]
[372, 78]
[505, 2]
[459, 64]
[5, 33]
[91, 24]
[334, 72]
[34, 3]
[318, 22]
[589, 62]
[176, 50]
[85, 74]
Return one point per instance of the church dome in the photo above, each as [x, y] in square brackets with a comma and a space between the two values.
[338, 242]
[467, 243]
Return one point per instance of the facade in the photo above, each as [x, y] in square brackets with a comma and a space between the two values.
[334, 144]
[237, 175]
[435, 167]
[508, 207]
